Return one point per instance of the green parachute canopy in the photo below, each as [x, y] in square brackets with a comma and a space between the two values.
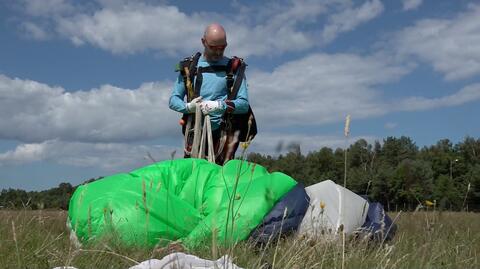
[187, 199]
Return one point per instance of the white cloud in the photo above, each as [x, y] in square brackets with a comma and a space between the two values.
[321, 88]
[452, 46]
[135, 28]
[467, 94]
[35, 112]
[24, 153]
[107, 156]
[274, 27]
[348, 19]
[130, 26]
[411, 4]
[47, 8]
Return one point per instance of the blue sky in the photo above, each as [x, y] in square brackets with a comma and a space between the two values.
[84, 86]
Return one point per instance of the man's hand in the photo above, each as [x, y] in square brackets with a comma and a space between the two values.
[209, 107]
[192, 106]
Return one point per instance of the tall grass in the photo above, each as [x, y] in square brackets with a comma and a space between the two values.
[346, 133]
[40, 239]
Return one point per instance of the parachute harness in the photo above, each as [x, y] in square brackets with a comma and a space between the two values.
[236, 127]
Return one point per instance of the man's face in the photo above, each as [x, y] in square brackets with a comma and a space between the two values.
[214, 48]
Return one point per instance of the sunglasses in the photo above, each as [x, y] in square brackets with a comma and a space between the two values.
[216, 47]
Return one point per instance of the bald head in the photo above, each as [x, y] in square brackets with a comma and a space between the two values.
[215, 32]
[214, 40]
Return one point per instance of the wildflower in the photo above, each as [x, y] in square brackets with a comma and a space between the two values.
[429, 203]
[244, 145]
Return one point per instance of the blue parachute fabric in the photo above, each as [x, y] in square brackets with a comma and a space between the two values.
[378, 224]
[285, 216]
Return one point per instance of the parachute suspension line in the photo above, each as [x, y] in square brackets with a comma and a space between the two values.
[207, 139]
[197, 133]
[202, 136]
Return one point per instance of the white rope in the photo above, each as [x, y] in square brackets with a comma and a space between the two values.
[200, 136]
[211, 150]
[197, 132]
[207, 137]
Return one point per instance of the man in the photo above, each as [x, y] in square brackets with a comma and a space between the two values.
[213, 80]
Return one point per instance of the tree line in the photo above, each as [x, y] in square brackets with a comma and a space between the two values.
[394, 172]
[54, 198]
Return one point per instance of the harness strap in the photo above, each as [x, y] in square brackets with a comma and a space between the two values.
[188, 68]
[193, 64]
[229, 75]
[238, 81]
[212, 69]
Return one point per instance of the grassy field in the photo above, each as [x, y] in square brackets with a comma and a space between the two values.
[40, 239]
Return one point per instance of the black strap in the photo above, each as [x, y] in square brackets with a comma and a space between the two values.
[193, 65]
[238, 81]
[198, 84]
[193, 73]
[243, 123]
[212, 69]
[190, 63]
[229, 75]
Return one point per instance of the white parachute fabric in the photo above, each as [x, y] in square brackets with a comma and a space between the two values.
[331, 208]
[182, 260]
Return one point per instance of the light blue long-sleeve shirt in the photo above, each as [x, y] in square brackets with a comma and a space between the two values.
[214, 87]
